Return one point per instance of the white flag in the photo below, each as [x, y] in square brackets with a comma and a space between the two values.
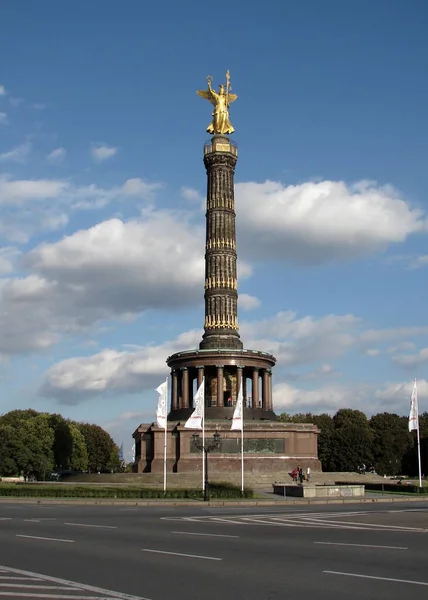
[238, 418]
[197, 416]
[161, 411]
[414, 417]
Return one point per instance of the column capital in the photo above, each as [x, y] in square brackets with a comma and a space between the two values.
[200, 368]
[220, 366]
[183, 369]
[239, 367]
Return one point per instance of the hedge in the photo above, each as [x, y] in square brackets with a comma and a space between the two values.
[23, 490]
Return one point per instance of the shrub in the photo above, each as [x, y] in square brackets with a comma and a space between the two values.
[23, 490]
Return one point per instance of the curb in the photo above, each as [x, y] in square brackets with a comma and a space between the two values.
[245, 503]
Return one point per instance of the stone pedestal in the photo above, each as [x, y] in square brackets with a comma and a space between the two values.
[269, 447]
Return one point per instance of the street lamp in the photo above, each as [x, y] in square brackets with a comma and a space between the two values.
[206, 448]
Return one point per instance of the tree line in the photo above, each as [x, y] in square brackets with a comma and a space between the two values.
[35, 445]
[349, 439]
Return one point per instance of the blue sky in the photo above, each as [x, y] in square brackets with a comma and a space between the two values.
[102, 189]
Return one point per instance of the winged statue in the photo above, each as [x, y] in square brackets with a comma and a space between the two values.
[221, 101]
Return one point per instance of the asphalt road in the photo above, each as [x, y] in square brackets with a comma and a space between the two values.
[346, 551]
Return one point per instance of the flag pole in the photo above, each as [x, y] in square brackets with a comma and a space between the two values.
[419, 457]
[242, 451]
[203, 442]
[165, 440]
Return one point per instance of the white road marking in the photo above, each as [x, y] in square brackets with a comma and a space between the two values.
[361, 545]
[5, 518]
[12, 578]
[319, 520]
[103, 593]
[87, 525]
[56, 596]
[179, 554]
[209, 534]
[378, 578]
[32, 520]
[35, 537]
[36, 587]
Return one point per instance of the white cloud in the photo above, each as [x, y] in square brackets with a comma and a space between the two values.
[385, 335]
[317, 222]
[3, 118]
[8, 256]
[395, 397]
[247, 302]
[325, 399]
[102, 152]
[302, 341]
[114, 270]
[401, 347]
[411, 361]
[17, 192]
[15, 101]
[191, 195]
[2, 90]
[18, 154]
[56, 156]
[373, 352]
[75, 379]
[419, 262]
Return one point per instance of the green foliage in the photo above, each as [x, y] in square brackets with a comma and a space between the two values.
[220, 490]
[33, 444]
[392, 441]
[99, 445]
[114, 463]
[349, 439]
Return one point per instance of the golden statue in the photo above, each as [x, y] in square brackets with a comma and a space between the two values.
[221, 102]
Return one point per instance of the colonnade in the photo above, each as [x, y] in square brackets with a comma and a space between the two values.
[183, 378]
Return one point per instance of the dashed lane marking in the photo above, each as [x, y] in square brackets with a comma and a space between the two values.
[89, 525]
[36, 537]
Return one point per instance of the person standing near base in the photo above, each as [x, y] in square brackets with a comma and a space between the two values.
[308, 474]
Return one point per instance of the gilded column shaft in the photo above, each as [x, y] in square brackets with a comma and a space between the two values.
[221, 285]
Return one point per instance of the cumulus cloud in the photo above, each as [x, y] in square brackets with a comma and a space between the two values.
[324, 399]
[51, 201]
[419, 262]
[411, 361]
[18, 154]
[373, 352]
[395, 396]
[3, 118]
[75, 379]
[21, 191]
[8, 256]
[57, 156]
[2, 90]
[317, 222]
[248, 302]
[114, 270]
[102, 152]
[297, 341]
[191, 195]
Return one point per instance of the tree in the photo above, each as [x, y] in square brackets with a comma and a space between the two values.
[114, 464]
[391, 442]
[351, 441]
[13, 450]
[69, 446]
[39, 439]
[99, 446]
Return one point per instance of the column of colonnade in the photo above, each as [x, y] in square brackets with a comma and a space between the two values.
[182, 386]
